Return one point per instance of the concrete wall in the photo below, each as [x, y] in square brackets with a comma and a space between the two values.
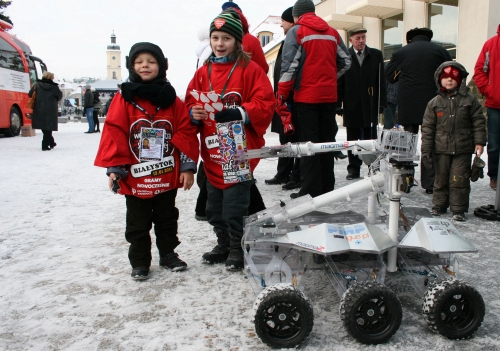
[477, 22]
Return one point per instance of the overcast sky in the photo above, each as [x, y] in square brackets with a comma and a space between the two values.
[71, 36]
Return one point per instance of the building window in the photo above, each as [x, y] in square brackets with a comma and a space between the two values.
[392, 34]
[443, 20]
[264, 40]
[114, 75]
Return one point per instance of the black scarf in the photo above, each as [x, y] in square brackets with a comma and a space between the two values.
[160, 94]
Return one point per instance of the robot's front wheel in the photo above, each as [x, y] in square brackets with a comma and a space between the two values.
[453, 308]
[283, 316]
[370, 312]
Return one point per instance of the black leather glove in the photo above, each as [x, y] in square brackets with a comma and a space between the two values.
[232, 114]
[477, 169]
[381, 109]
[339, 111]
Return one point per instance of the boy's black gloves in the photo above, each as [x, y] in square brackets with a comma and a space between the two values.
[232, 114]
[427, 161]
[477, 169]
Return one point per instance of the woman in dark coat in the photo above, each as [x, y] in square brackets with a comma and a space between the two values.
[45, 111]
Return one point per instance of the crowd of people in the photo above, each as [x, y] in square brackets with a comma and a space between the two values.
[150, 145]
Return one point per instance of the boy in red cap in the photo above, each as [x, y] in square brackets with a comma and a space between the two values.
[453, 129]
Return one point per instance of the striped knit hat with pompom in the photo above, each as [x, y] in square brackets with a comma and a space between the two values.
[228, 21]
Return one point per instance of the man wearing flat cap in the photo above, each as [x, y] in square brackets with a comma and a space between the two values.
[413, 66]
[362, 93]
[314, 56]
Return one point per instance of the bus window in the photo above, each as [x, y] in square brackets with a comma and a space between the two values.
[9, 57]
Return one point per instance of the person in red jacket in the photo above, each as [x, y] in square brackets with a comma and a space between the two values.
[314, 57]
[250, 43]
[147, 108]
[238, 90]
[487, 79]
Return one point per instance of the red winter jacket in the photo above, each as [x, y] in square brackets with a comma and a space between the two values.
[314, 57]
[249, 88]
[120, 146]
[487, 71]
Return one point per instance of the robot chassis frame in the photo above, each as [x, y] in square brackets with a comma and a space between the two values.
[283, 242]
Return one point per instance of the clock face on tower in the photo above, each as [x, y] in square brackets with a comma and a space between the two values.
[113, 57]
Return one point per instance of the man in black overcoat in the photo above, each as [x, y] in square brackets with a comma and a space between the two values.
[413, 66]
[362, 94]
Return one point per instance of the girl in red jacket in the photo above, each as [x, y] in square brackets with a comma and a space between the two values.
[241, 92]
[149, 173]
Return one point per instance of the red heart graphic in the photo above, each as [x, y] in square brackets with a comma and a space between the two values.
[135, 135]
[219, 22]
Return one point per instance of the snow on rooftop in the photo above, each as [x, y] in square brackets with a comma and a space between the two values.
[270, 24]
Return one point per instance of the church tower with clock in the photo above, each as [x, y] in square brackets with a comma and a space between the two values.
[114, 59]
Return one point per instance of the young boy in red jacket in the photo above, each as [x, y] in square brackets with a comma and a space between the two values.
[147, 108]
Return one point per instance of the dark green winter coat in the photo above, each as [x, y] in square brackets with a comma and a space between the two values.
[45, 112]
[453, 124]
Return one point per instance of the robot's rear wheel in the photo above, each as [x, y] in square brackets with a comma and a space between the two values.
[453, 309]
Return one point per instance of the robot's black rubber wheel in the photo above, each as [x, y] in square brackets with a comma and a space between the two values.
[453, 309]
[370, 312]
[283, 316]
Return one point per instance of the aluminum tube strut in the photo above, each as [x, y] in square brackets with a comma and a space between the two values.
[354, 190]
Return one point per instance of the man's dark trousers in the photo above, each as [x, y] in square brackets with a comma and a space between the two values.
[318, 125]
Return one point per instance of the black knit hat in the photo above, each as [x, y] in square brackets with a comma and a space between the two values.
[287, 15]
[228, 21]
[412, 33]
[154, 50]
[301, 7]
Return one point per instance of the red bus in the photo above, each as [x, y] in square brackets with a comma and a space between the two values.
[19, 70]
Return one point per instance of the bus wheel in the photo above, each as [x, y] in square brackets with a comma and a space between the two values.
[15, 123]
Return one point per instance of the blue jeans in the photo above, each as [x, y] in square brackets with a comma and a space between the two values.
[90, 118]
[493, 141]
[390, 115]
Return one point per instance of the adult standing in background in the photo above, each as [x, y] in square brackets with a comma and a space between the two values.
[250, 43]
[45, 111]
[288, 169]
[392, 105]
[314, 57]
[487, 79]
[413, 66]
[95, 114]
[88, 107]
[360, 90]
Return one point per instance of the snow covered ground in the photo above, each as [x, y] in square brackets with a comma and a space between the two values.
[65, 277]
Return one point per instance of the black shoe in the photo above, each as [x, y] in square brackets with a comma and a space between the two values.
[88, 132]
[140, 273]
[429, 191]
[276, 181]
[220, 252]
[458, 216]
[294, 195]
[172, 262]
[234, 261]
[53, 145]
[339, 155]
[291, 185]
[351, 176]
[200, 218]
[438, 211]
[46, 148]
